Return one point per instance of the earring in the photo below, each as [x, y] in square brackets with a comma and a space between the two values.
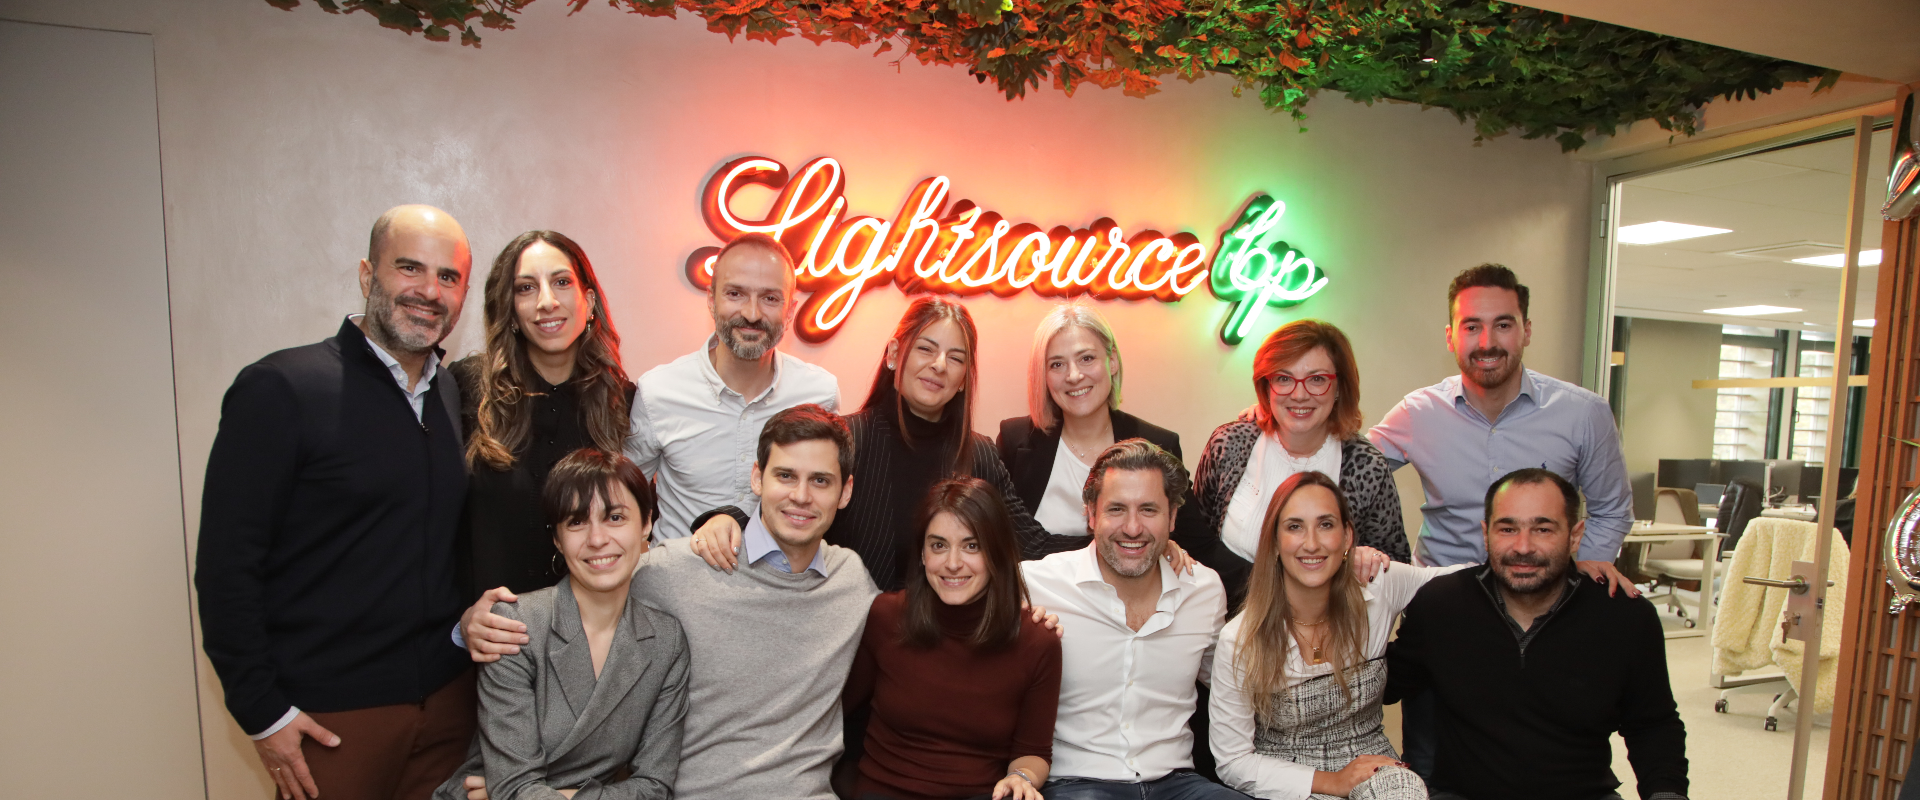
[553, 563]
[514, 326]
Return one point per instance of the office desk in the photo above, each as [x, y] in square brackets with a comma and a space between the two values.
[1657, 532]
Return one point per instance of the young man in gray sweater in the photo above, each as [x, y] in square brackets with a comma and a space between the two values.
[771, 641]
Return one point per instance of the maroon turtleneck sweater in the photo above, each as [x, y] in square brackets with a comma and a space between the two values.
[947, 720]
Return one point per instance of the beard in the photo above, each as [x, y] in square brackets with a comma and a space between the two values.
[1548, 579]
[729, 329]
[395, 330]
[1149, 560]
[1489, 378]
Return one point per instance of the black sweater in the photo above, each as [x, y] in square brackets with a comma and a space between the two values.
[326, 562]
[505, 539]
[890, 480]
[1535, 722]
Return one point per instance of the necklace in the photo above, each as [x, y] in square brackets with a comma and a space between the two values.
[1315, 659]
[1077, 452]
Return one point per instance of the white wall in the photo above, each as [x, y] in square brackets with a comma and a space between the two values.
[1665, 417]
[99, 689]
[285, 133]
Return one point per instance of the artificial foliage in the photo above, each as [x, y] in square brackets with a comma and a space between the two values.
[1505, 68]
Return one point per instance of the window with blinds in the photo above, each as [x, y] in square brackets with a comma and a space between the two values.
[1740, 418]
[1811, 409]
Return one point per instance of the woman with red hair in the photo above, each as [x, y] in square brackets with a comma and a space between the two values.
[1305, 417]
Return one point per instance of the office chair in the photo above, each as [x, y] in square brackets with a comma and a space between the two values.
[1739, 505]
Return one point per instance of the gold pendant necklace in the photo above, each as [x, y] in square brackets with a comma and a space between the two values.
[1316, 648]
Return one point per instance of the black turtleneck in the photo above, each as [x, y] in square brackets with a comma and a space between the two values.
[890, 479]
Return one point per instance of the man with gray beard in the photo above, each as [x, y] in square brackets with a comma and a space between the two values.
[326, 559]
[697, 419]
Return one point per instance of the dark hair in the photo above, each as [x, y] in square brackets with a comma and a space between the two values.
[804, 423]
[588, 473]
[1536, 475]
[1287, 345]
[956, 420]
[503, 416]
[1489, 275]
[1138, 454]
[979, 508]
[754, 240]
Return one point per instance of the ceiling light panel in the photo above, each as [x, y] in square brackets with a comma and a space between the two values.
[1661, 232]
[1868, 258]
[1751, 311]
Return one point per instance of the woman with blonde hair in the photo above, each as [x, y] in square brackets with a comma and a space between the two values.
[1073, 413]
[1298, 675]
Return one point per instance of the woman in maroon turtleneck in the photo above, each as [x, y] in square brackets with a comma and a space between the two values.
[962, 685]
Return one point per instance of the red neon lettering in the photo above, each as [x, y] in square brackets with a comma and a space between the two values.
[933, 245]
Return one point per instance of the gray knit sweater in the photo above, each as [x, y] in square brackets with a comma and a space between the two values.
[770, 654]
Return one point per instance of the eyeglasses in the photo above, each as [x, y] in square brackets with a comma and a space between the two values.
[1317, 384]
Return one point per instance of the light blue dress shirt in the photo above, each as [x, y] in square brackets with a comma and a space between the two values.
[1459, 453]
[760, 545]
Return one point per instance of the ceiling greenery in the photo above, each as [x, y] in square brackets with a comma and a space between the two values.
[1505, 68]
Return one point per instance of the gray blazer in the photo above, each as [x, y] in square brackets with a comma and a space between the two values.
[547, 724]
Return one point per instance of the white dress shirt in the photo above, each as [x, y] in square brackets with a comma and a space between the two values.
[1268, 466]
[1231, 729]
[697, 438]
[416, 393]
[1125, 695]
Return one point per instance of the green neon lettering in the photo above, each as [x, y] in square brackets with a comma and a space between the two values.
[1254, 269]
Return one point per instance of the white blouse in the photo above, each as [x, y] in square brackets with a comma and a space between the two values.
[1232, 726]
[1062, 511]
[1267, 467]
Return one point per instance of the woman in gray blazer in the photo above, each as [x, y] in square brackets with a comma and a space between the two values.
[592, 705]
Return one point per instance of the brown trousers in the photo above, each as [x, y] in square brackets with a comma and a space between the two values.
[398, 752]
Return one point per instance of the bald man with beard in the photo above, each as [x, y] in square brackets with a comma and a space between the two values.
[326, 558]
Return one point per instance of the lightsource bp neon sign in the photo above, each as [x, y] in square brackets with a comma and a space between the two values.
[962, 249]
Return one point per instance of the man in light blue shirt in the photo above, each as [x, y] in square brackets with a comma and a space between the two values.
[1497, 416]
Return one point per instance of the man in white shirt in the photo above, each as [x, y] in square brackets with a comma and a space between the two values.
[697, 419]
[1142, 634]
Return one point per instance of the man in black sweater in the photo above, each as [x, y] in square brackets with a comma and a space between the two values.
[326, 565]
[1534, 668]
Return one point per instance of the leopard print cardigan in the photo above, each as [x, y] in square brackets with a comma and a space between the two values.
[1364, 477]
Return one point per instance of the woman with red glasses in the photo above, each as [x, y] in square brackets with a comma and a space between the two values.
[1305, 417]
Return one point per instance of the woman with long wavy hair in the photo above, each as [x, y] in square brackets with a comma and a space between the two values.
[1298, 675]
[548, 383]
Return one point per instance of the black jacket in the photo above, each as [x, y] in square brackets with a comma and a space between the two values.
[1029, 451]
[1535, 722]
[326, 561]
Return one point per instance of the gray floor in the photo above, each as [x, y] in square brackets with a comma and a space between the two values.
[1730, 755]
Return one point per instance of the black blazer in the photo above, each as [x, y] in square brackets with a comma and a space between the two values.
[1028, 453]
[326, 563]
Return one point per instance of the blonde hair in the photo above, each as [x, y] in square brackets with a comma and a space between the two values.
[1040, 406]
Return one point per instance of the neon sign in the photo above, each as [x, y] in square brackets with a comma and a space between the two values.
[1255, 269]
[957, 247]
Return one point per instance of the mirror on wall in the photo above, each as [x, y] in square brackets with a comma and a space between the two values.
[1726, 294]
